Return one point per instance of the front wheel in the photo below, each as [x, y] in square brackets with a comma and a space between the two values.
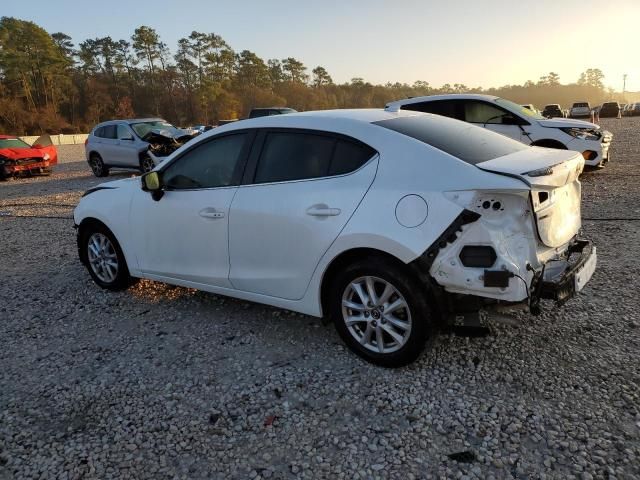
[381, 312]
[146, 164]
[104, 258]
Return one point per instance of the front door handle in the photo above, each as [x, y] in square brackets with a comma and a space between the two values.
[210, 213]
[322, 210]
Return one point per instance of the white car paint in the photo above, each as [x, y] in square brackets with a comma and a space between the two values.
[265, 243]
[587, 137]
[580, 110]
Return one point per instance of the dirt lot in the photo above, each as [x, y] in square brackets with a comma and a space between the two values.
[164, 382]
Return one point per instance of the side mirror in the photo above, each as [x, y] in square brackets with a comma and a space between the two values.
[151, 183]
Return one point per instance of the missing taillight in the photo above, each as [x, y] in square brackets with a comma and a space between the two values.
[543, 197]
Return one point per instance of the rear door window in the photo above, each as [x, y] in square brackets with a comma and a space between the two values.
[108, 131]
[294, 156]
[289, 156]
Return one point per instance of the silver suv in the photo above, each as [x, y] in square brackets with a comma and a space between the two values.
[125, 144]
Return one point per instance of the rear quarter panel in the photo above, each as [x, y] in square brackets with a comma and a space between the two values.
[407, 167]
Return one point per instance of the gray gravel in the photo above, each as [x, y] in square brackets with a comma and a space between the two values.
[165, 382]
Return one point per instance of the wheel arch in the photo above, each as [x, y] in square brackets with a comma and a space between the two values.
[549, 143]
[82, 228]
[348, 257]
[87, 222]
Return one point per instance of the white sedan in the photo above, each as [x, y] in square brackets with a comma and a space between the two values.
[386, 222]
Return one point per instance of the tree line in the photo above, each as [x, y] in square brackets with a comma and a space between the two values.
[50, 84]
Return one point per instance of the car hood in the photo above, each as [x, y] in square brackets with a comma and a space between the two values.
[567, 123]
[122, 183]
[20, 153]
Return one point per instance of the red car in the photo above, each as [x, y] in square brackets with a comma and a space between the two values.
[20, 158]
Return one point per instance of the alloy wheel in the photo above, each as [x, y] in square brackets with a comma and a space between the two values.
[96, 166]
[147, 164]
[102, 257]
[376, 314]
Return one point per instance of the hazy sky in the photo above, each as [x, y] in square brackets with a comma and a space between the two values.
[478, 43]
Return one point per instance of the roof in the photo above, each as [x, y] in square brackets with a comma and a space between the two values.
[367, 115]
[429, 98]
[331, 120]
[7, 137]
[133, 120]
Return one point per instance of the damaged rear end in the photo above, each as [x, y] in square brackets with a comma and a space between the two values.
[524, 244]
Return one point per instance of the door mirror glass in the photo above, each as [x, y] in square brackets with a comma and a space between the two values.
[151, 182]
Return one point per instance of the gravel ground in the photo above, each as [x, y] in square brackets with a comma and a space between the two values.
[165, 382]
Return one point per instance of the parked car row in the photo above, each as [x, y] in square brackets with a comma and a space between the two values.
[631, 110]
[391, 222]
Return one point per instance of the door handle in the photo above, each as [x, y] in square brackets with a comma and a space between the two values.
[210, 213]
[322, 210]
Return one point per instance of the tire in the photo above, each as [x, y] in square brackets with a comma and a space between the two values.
[146, 163]
[98, 167]
[103, 257]
[412, 325]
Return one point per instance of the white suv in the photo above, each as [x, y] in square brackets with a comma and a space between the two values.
[580, 110]
[125, 144]
[517, 122]
[386, 222]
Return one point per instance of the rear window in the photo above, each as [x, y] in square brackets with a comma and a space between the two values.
[577, 105]
[13, 143]
[610, 104]
[467, 142]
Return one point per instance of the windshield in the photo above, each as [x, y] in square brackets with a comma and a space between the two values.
[13, 143]
[469, 143]
[142, 128]
[519, 109]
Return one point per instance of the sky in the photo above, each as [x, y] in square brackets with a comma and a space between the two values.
[483, 43]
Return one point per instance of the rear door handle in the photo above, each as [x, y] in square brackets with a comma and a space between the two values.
[210, 213]
[322, 210]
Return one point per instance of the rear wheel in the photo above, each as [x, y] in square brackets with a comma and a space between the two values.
[104, 258]
[381, 312]
[98, 167]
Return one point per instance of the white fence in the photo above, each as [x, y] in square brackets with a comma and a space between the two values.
[60, 139]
